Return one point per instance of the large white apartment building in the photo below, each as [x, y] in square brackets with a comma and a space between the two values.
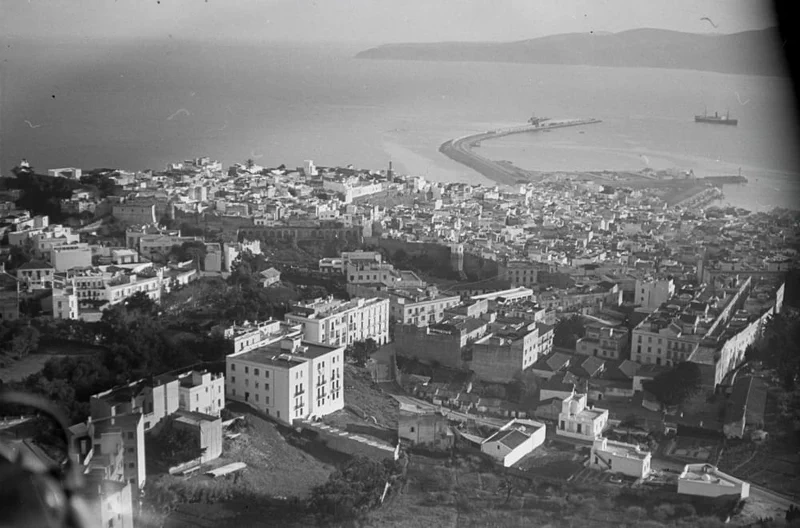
[416, 306]
[334, 322]
[286, 377]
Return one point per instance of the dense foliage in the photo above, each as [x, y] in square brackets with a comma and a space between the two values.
[18, 339]
[174, 444]
[41, 195]
[568, 331]
[134, 343]
[676, 385]
[355, 489]
[362, 350]
[779, 349]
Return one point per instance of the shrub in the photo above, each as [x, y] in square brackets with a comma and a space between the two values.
[636, 512]
[684, 509]
[710, 522]
[464, 504]
[662, 512]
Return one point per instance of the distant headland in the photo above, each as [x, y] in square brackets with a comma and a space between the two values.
[756, 52]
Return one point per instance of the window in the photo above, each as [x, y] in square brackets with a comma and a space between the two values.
[412, 428]
[256, 396]
[246, 370]
[266, 373]
[266, 386]
[256, 384]
[131, 465]
[233, 366]
[130, 435]
[255, 371]
[233, 379]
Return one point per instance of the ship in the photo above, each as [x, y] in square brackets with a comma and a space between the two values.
[537, 121]
[716, 119]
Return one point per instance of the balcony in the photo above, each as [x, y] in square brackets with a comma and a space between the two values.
[299, 392]
[298, 407]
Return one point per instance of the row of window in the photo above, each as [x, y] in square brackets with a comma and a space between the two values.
[256, 371]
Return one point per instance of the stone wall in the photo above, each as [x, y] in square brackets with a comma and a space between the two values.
[414, 342]
[496, 363]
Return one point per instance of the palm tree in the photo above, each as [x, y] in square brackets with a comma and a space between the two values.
[250, 163]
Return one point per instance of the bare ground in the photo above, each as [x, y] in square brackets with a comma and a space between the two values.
[364, 400]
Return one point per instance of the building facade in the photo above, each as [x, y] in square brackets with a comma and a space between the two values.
[201, 392]
[577, 420]
[289, 379]
[341, 323]
[604, 342]
[619, 457]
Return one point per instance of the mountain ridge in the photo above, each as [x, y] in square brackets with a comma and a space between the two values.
[752, 52]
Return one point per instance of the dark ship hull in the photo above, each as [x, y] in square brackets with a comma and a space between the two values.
[716, 120]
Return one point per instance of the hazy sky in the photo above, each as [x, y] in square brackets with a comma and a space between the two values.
[371, 21]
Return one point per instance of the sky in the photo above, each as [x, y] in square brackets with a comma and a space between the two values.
[368, 21]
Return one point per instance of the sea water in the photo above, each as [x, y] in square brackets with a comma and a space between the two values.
[138, 105]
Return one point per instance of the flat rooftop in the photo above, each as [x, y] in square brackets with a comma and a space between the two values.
[625, 450]
[710, 474]
[273, 355]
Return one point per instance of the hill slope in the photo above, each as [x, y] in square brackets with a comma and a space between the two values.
[755, 52]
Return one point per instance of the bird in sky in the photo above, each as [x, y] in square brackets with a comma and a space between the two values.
[709, 21]
[740, 99]
[177, 113]
[32, 125]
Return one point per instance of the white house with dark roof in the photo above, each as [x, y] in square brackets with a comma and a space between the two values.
[36, 274]
[514, 440]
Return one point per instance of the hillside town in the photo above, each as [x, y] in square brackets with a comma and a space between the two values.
[560, 323]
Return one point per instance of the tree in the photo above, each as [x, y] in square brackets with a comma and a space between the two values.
[629, 422]
[676, 385]
[25, 341]
[140, 303]
[177, 444]
[568, 331]
[362, 350]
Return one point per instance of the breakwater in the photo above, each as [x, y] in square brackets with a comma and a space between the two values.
[460, 150]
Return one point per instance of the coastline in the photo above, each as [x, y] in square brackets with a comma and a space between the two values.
[504, 173]
[677, 191]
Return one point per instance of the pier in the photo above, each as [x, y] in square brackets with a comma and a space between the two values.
[460, 150]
